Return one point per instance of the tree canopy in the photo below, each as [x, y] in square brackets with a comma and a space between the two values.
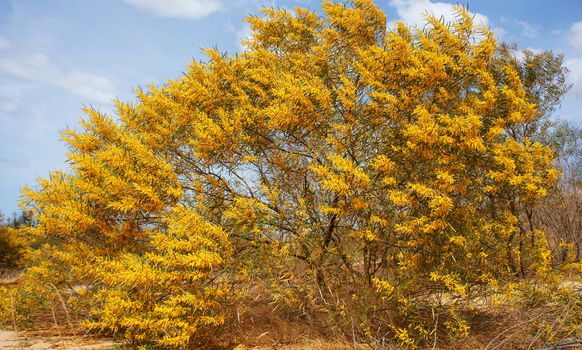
[338, 164]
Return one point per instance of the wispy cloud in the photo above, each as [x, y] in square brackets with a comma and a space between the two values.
[520, 55]
[10, 163]
[573, 61]
[413, 12]
[574, 36]
[574, 57]
[242, 33]
[575, 66]
[8, 105]
[526, 29]
[4, 43]
[191, 9]
[38, 67]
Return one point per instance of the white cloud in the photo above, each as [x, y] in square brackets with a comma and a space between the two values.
[10, 163]
[574, 59]
[39, 68]
[499, 32]
[575, 36]
[528, 30]
[241, 33]
[8, 105]
[534, 50]
[91, 86]
[574, 64]
[413, 12]
[244, 33]
[192, 9]
[519, 54]
[4, 43]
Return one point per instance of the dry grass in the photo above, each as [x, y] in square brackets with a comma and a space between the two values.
[260, 325]
[261, 329]
[492, 328]
[257, 326]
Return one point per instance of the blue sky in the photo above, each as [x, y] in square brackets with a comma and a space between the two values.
[56, 56]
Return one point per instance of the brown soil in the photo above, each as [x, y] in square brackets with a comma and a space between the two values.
[34, 340]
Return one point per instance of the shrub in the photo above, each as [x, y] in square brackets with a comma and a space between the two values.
[369, 175]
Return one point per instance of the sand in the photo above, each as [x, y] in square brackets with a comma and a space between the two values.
[25, 341]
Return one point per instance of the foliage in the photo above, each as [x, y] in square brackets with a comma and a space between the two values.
[10, 248]
[544, 79]
[374, 175]
[560, 214]
[165, 294]
[12, 243]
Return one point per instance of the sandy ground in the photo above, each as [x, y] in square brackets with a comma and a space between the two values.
[24, 341]
[16, 341]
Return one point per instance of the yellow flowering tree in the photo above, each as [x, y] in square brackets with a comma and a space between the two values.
[368, 172]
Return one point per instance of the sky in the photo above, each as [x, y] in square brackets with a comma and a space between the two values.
[60, 55]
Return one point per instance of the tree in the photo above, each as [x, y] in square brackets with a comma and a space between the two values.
[332, 160]
[560, 214]
[544, 80]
